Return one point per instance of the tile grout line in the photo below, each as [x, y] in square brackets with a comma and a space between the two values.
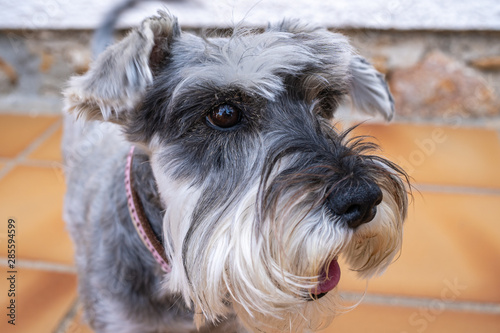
[41, 163]
[35, 163]
[65, 323]
[7, 168]
[456, 189]
[422, 302]
[41, 265]
[21, 157]
[39, 140]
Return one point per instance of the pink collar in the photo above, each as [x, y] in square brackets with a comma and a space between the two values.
[140, 221]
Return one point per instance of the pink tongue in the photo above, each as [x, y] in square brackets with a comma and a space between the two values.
[328, 280]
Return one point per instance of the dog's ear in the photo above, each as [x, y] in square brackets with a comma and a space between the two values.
[338, 70]
[368, 89]
[116, 83]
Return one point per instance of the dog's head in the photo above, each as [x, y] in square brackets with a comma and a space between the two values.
[262, 194]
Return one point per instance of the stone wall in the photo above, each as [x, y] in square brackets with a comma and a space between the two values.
[34, 66]
[434, 76]
[438, 75]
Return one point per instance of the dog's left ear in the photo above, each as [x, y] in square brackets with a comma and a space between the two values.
[341, 69]
[368, 89]
[117, 81]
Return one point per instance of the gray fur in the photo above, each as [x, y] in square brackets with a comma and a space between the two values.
[368, 89]
[116, 84]
[243, 212]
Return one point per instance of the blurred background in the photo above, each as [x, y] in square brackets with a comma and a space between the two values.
[442, 61]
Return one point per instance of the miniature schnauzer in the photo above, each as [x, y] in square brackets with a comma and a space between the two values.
[240, 198]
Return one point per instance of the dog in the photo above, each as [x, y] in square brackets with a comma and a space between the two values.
[238, 198]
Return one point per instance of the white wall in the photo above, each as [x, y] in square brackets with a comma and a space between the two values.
[378, 14]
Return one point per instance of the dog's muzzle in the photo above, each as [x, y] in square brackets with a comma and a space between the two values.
[356, 204]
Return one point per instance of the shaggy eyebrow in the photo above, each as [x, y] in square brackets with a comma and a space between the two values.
[257, 63]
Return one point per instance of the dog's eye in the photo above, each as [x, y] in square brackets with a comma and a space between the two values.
[224, 116]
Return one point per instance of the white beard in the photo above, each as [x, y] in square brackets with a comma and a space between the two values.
[264, 270]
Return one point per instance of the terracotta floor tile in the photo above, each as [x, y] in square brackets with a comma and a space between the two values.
[385, 319]
[17, 132]
[34, 197]
[451, 247]
[42, 300]
[78, 325]
[50, 149]
[441, 155]
[367, 318]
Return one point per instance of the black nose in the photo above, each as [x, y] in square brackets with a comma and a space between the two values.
[355, 204]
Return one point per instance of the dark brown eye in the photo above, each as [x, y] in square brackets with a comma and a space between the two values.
[224, 116]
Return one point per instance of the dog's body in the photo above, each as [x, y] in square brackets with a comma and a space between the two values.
[120, 282]
[252, 192]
